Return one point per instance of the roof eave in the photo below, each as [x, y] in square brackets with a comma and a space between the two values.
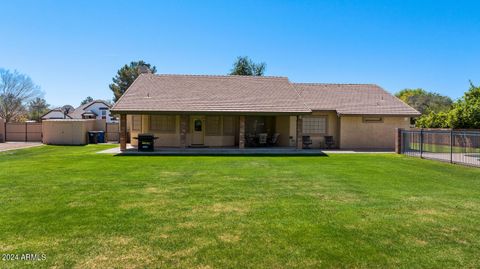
[136, 112]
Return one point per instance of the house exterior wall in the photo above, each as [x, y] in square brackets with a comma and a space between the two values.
[357, 134]
[332, 128]
[97, 109]
[282, 126]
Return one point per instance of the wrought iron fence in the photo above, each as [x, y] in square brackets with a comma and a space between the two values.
[454, 146]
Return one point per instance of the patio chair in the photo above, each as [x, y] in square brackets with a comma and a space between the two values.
[249, 140]
[307, 141]
[262, 139]
[274, 139]
[329, 142]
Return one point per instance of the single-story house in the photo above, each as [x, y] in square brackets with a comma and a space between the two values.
[97, 109]
[240, 111]
[55, 114]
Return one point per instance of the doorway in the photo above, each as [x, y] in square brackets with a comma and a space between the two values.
[198, 130]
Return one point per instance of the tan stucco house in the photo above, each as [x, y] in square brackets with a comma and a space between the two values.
[232, 111]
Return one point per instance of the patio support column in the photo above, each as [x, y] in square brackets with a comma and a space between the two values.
[299, 132]
[183, 131]
[123, 132]
[241, 135]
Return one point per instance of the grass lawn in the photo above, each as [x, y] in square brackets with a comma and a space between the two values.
[444, 148]
[86, 210]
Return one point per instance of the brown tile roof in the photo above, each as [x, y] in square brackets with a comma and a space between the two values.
[352, 99]
[247, 94]
[191, 93]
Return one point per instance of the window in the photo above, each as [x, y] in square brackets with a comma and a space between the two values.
[228, 125]
[104, 114]
[212, 125]
[197, 125]
[136, 122]
[315, 125]
[163, 123]
[372, 119]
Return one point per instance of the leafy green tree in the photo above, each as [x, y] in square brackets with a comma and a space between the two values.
[36, 108]
[127, 75]
[433, 120]
[243, 66]
[86, 100]
[425, 102]
[466, 111]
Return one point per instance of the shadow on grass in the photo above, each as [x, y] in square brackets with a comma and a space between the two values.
[190, 154]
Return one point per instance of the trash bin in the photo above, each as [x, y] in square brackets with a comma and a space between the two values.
[100, 136]
[92, 137]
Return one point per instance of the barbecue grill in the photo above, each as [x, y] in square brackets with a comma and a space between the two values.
[146, 142]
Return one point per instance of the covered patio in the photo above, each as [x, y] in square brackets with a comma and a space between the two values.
[212, 131]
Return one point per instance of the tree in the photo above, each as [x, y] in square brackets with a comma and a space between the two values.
[86, 100]
[466, 111]
[16, 90]
[243, 66]
[433, 120]
[464, 114]
[425, 102]
[127, 75]
[67, 109]
[36, 108]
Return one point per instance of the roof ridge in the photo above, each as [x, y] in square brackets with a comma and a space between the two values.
[320, 83]
[218, 76]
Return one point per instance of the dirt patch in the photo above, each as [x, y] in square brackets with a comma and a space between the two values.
[229, 238]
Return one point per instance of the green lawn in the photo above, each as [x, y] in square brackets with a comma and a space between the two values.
[86, 210]
[444, 148]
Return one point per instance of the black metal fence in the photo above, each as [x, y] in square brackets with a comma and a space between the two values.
[454, 146]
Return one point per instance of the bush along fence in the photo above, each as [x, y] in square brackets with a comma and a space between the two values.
[449, 145]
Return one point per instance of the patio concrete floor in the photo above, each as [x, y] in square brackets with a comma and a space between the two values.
[235, 151]
[18, 145]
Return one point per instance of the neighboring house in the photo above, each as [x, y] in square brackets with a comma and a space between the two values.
[233, 111]
[54, 114]
[96, 109]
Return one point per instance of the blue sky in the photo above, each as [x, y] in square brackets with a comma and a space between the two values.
[72, 49]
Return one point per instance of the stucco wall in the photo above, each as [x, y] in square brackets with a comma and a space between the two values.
[67, 132]
[2, 130]
[357, 134]
[332, 129]
[164, 139]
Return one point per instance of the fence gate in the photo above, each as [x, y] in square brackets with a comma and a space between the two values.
[112, 131]
[454, 146]
[23, 131]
